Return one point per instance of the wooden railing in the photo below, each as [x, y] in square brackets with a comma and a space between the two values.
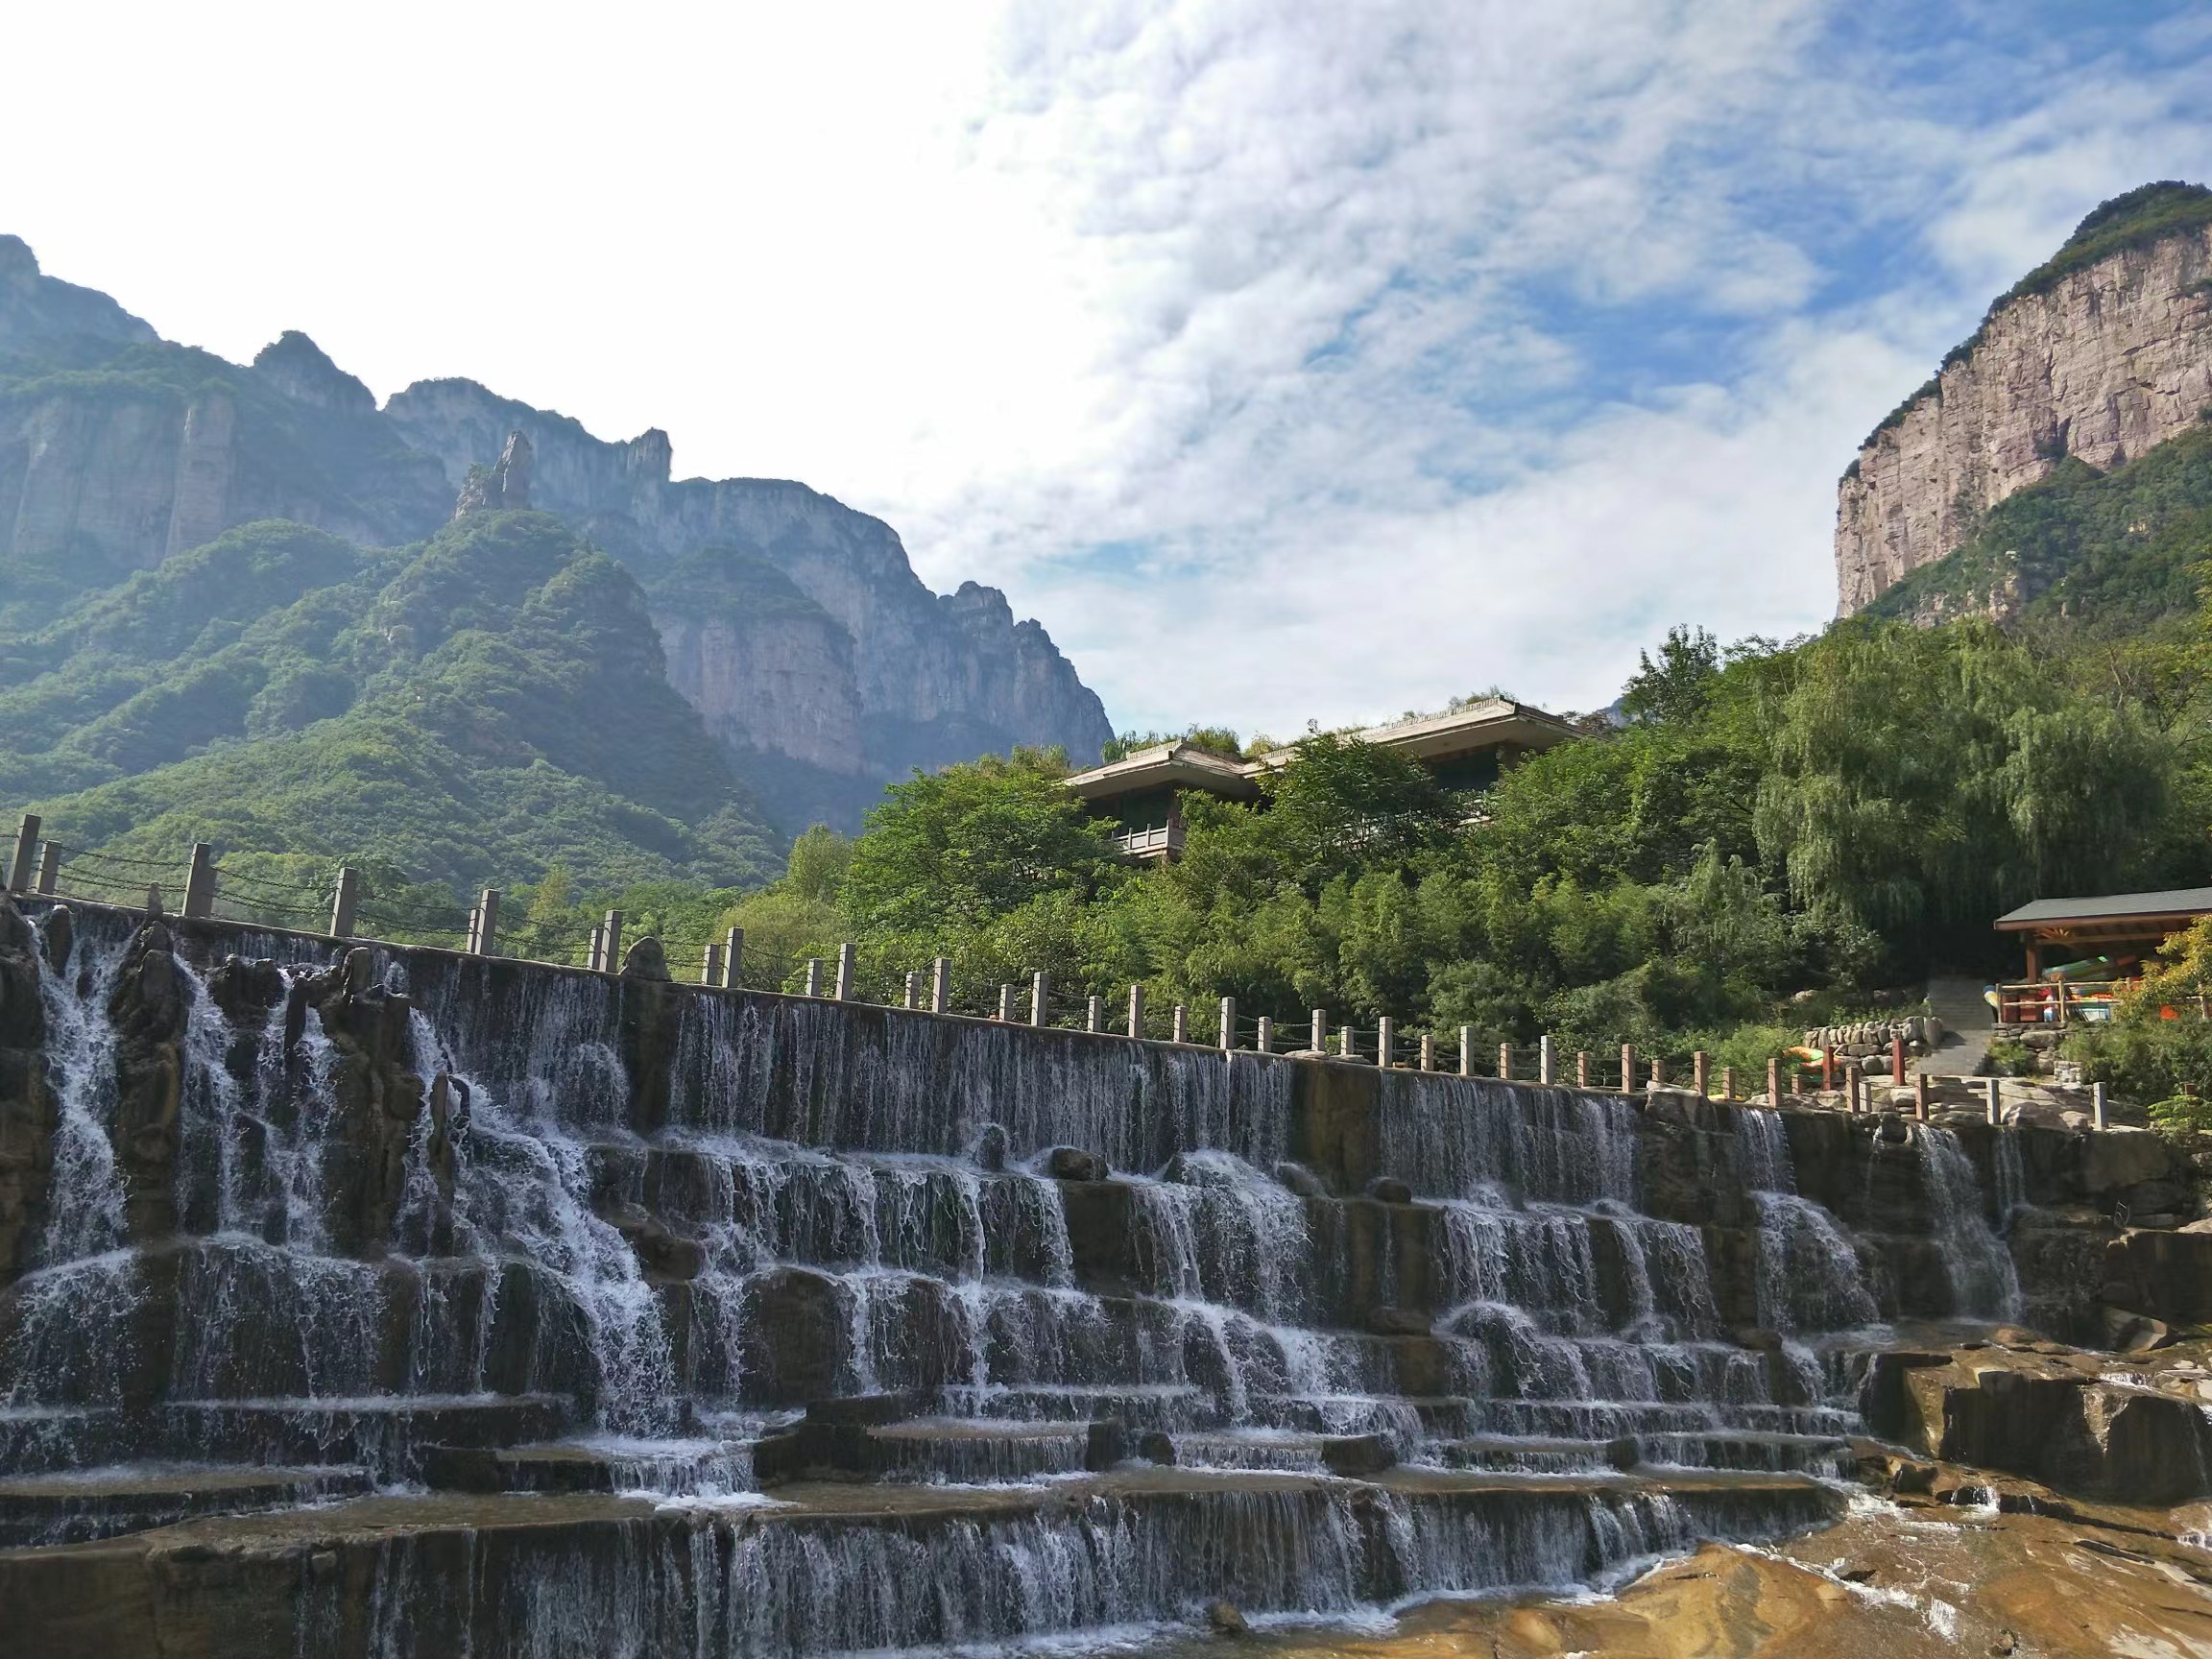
[2058, 1002]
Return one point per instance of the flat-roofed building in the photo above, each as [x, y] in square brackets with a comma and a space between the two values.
[1468, 750]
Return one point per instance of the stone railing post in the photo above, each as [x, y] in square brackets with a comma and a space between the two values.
[1505, 1061]
[1774, 1080]
[1582, 1068]
[1544, 1061]
[1320, 1042]
[611, 954]
[1627, 1067]
[1266, 1037]
[1006, 1005]
[200, 881]
[484, 926]
[1727, 1082]
[734, 959]
[1466, 1050]
[1040, 999]
[49, 867]
[1702, 1073]
[813, 975]
[1428, 1060]
[710, 970]
[1385, 1042]
[595, 954]
[2096, 1105]
[941, 985]
[1136, 1010]
[1228, 1023]
[26, 849]
[343, 901]
[1094, 1014]
[912, 990]
[1995, 1088]
[1345, 1048]
[848, 959]
[1179, 1031]
[1658, 1070]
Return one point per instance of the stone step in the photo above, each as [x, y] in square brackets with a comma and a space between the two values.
[838, 1567]
[1524, 1455]
[1768, 1453]
[676, 1468]
[41, 1437]
[386, 1433]
[83, 1504]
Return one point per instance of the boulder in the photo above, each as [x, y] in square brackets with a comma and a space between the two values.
[1074, 1164]
[1398, 1322]
[2167, 1275]
[797, 1337]
[990, 1149]
[1300, 1180]
[1355, 1456]
[1389, 1189]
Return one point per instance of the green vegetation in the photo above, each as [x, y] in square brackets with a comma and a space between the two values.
[1776, 833]
[481, 708]
[2106, 556]
[2134, 219]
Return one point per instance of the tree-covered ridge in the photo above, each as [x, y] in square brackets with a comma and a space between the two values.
[2135, 218]
[2105, 556]
[1775, 833]
[481, 708]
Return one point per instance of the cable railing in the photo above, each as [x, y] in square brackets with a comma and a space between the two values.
[343, 908]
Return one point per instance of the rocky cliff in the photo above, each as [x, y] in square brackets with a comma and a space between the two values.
[794, 625]
[2099, 354]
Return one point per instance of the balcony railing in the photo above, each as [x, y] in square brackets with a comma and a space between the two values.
[1156, 841]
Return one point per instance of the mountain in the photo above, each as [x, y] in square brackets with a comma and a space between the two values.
[2092, 360]
[471, 710]
[794, 626]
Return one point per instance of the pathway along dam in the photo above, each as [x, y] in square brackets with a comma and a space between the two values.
[391, 1303]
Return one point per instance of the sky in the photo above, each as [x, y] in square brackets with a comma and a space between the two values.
[1290, 360]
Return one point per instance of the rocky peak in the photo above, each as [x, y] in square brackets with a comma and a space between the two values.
[2099, 353]
[36, 308]
[18, 266]
[503, 485]
[300, 369]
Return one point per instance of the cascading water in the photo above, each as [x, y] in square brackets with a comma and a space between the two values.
[1984, 1284]
[480, 1227]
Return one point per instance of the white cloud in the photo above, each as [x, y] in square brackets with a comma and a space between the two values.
[1286, 358]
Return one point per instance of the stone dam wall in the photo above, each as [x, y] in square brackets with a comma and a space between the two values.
[392, 1302]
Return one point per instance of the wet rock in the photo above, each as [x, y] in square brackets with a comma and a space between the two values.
[1398, 1322]
[796, 1336]
[1155, 1446]
[2165, 1275]
[1355, 1456]
[246, 990]
[374, 1099]
[26, 1104]
[659, 1251]
[1389, 1189]
[60, 933]
[148, 1008]
[1225, 1620]
[867, 1411]
[990, 1149]
[646, 960]
[1299, 1178]
[1074, 1164]
[1105, 1446]
[2046, 1418]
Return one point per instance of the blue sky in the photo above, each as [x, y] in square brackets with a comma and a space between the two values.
[1287, 359]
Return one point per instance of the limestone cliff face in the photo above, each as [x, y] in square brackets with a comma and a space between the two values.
[828, 650]
[794, 625]
[2109, 360]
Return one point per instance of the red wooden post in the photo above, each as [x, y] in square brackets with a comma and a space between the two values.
[1897, 1061]
[1827, 1069]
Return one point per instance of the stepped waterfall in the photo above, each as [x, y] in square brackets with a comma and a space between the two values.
[395, 1303]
